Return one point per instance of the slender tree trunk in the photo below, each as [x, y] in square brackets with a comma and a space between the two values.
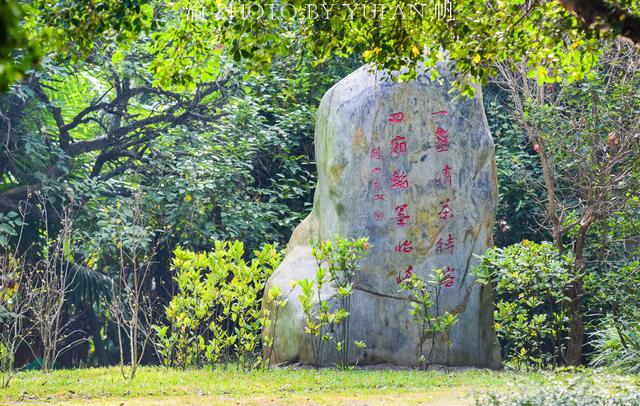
[575, 292]
[576, 325]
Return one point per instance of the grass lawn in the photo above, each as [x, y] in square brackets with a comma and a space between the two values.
[154, 385]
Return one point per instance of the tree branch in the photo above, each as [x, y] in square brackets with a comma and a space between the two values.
[604, 16]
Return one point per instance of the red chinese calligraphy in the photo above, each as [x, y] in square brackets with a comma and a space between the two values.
[401, 217]
[440, 113]
[448, 277]
[378, 195]
[442, 140]
[378, 215]
[399, 180]
[399, 145]
[376, 154]
[396, 117]
[404, 247]
[450, 244]
[446, 178]
[446, 171]
[445, 211]
[377, 170]
[407, 275]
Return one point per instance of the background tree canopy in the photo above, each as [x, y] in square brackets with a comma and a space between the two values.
[188, 39]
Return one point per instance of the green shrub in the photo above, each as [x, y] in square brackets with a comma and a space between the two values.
[320, 323]
[338, 264]
[279, 302]
[342, 259]
[216, 314]
[617, 344]
[616, 295]
[425, 310]
[531, 304]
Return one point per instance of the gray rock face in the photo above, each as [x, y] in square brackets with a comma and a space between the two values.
[412, 169]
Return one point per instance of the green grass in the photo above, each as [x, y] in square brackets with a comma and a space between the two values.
[168, 386]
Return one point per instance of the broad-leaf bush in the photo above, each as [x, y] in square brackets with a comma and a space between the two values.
[530, 282]
[215, 316]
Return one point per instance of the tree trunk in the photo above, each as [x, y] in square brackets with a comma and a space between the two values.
[576, 326]
[575, 293]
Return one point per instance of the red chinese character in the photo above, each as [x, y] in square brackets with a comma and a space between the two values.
[445, 212]
[439, 245]
[440, 113]
[448, 278]
[375, 153]
[404, 247]
[396, 117]
[379, 195]
[447, 175]
[399, 145]
[407, 275]
[402, 218]
[438, 179]
[450, 244]
[378, 215]
[399, 180]
[442, 140]
[377, 170]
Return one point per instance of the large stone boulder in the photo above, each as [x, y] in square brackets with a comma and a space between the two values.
[411, 167]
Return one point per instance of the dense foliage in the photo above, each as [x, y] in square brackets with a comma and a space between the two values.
[215, 315]
[558, 39]
[531, 316]
[567, 160]
[518, 207]
[141, 169]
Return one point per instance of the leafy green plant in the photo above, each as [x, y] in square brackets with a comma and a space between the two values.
[13, 313]
[530, 281]
[316, 321]
[274, 295]
[215, 315]
[517, 172]
[616, 335]
[13, 301]
[321, 322]
[10, 225]
[425, 295]
[342, 259]
[617, 344]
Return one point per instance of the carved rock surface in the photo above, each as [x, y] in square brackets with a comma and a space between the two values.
[412, 168]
